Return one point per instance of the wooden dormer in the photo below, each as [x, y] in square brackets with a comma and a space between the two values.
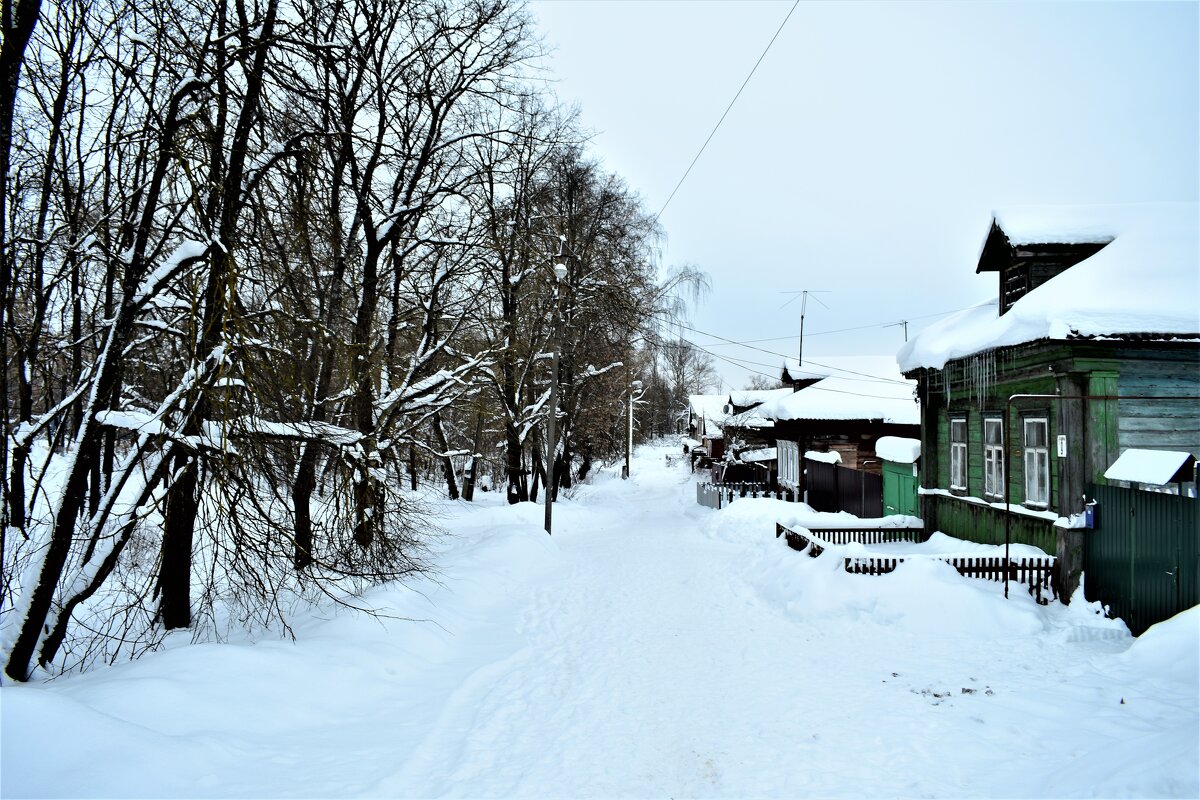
[796, 384]
[1024, 266]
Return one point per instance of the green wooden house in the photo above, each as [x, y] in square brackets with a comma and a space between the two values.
[1092, 348]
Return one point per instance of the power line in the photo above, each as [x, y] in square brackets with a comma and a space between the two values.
[688, 171]
[743, 365]
[781, 355]
[840, 330]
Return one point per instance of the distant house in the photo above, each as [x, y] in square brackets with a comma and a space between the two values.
[706, 422]
[842, 405]
[744, 420]
[1092, 348]
[750, 437]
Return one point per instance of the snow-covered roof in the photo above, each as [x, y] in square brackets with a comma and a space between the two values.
[1065, 224]
[751, 397]
[752, 417]
[709, 407]
[1156, 467]
[898, 449]
[858, 387]
[762, 454]
[1147, 280]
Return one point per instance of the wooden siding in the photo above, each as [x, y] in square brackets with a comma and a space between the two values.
[995, 400]
[1169, 423]
[976, 522]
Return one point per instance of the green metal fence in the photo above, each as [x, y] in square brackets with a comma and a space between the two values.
[1143, 558]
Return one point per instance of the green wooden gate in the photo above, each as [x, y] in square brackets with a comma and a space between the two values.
[1143, 559]
[900, 489]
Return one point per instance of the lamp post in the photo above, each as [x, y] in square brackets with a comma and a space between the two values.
[560, 274]
[635, 393]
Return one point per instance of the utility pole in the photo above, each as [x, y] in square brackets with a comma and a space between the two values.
[560, 274]
[903, 322]
[636, 386]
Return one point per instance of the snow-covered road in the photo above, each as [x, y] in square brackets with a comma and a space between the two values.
[645, 663]
[651, 648]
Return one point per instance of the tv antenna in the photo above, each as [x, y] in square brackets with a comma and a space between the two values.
[804, 293]
[903, 322]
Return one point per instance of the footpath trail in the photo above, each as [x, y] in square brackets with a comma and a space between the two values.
[650, 648]
[646, 665]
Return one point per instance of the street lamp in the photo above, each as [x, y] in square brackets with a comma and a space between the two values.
[560, 274]
[635, 393]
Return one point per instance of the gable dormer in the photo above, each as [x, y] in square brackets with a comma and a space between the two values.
[1024, 263]
[796, 384]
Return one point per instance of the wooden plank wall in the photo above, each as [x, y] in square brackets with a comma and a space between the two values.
[1166, 423]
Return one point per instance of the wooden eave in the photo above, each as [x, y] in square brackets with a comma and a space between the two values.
[997, 251]
[1082, 354]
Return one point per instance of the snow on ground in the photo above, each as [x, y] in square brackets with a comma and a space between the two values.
[650, 648]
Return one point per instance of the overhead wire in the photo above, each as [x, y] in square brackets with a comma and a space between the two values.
[754, 69]
[880, 378]
[839, 330]
[743, 365]
[675, 191]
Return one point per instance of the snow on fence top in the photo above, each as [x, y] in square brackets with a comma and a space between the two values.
[898, 449]
[1147, 280]
[1155, 467]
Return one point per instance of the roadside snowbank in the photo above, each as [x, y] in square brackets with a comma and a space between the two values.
[651, 647]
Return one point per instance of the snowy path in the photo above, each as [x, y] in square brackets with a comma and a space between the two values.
[651, 648]
[646, 665]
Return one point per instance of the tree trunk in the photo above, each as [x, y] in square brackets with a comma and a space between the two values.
[179, 521]
[439, 438]
[302, 491]
[473, 468]
[18, 23]
[175, 569]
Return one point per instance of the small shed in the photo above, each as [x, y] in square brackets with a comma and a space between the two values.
[900, 477]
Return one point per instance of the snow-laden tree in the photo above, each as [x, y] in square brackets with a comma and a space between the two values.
[269, 265]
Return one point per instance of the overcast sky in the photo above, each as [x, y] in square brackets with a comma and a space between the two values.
[867, 152]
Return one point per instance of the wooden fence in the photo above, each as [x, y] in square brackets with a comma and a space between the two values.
[719, 495]
[832, 487]
[817, 537]
[1033, 573]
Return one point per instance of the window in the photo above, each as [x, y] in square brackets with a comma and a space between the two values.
[958, 454]
[789, 464]
[993, 458]
[1037, 462]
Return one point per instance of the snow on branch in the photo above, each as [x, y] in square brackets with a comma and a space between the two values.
[591, 372]
[181, 258]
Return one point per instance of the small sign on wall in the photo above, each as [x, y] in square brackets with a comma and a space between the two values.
[1062, 445]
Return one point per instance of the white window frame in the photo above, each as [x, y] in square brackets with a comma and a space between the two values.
[958, 455]
[786, 452]
[993, 458]
[1037, 464]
